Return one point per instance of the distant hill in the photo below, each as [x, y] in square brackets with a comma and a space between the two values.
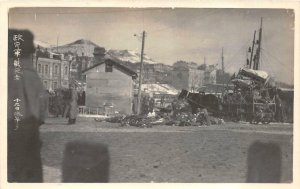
[129, 56]
[86, 47]
[42, 44]
[79, 47]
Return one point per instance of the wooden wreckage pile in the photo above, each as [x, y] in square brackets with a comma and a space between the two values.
[252, 100]
[179, 114]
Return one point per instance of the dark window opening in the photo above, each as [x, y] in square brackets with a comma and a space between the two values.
[39, 68]
[55, 69]
[46, 69]
[108, 67]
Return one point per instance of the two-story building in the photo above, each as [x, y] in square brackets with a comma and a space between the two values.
[185, 75]
[53, 69]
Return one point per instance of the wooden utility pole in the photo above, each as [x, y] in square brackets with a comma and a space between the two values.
[61, 60]
[223, 67]
[140, 76]
[70, 59]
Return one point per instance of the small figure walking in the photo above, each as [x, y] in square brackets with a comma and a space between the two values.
[73, 105]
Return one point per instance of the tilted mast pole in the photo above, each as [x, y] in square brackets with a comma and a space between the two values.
[259, 46]
[252, 49]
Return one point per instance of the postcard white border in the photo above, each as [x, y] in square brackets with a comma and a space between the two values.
[4, 7]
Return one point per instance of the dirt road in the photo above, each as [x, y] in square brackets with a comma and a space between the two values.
[168, 153]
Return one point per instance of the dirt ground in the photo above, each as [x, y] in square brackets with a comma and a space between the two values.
[168, 153]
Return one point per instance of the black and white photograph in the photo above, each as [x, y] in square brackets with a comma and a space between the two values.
[150, 95]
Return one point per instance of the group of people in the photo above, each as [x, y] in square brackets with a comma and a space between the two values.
[147, 105]
[65, 103]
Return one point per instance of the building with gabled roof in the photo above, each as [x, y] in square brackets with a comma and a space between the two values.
[109, 83]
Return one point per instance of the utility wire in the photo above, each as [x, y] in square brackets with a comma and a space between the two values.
[231, 63]
[278, 61]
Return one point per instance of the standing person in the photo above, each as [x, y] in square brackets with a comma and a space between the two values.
[145, 105]
[26, 111]
[175, 108]
[60, 102]
[151, 104]
[66, 102]
[81, 98]
[162, 101]
[73, 105]
[57, 104]
[135, 104]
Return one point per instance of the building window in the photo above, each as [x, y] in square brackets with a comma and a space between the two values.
[46, 69]
[66, 70]
[108, 67]
[55, 69]
[39, 68]
[55, 85]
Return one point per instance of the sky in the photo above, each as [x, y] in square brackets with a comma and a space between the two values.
[188, 34]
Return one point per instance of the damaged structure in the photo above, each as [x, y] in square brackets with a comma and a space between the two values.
[255, 97]
[251, 95]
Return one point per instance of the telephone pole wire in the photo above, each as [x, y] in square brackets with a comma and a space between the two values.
[141, 73]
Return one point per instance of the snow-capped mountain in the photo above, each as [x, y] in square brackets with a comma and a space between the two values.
[42, 44]
[86, 47]
[129, 56]
[80, 47]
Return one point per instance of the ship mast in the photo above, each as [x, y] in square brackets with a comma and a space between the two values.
[223, 68]
[252, 49]
[257, 61]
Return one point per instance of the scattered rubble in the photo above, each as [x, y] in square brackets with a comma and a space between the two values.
[181, 118]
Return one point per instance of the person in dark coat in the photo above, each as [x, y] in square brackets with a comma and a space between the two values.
[81, 98]
[135, 104]
[162, 101]
[145, 105]
[26, 111]
[57, 102]
[73, 105]
[151, 104]
[66, 103]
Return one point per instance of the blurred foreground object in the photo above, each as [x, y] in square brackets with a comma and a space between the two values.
[26, 110]
[264, 163]
[85, 162]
